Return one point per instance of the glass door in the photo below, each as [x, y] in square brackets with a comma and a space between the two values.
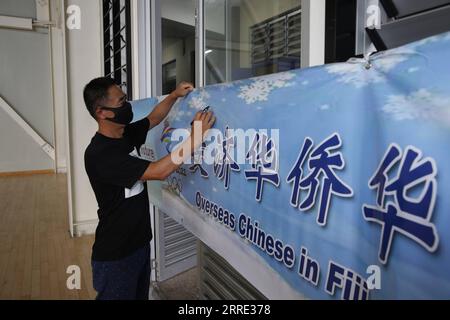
[173, 57]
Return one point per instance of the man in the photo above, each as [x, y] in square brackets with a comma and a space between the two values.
[121, 251]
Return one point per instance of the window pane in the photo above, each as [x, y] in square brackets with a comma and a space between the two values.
[178, 43]
[246, 38]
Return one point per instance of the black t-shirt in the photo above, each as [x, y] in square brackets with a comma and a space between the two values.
[123, 209]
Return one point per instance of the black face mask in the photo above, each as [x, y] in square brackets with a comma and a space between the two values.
[122, 115]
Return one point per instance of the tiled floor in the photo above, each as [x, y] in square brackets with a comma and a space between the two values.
[182, 287]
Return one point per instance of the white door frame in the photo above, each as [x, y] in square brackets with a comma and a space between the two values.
[199, 44]
[147, 69]
[143, 64]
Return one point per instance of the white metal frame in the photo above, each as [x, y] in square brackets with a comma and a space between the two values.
[313, 33]
[67, 124]
[23, 23]
[147, 68]
[144, 60]
[52, 90]
[156, 50]
[135, 47]
[200, 44]
[142, 47]
[16, 23]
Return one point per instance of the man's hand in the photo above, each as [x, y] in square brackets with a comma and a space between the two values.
[203, 121]
[206, 120]
[159, 113]
[163, 168]
[182, 89]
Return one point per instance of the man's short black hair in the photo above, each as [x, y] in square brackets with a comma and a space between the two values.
[95, 91]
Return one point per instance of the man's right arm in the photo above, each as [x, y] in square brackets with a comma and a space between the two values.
[163, 168]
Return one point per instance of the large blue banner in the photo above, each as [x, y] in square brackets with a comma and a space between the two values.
[346, 196]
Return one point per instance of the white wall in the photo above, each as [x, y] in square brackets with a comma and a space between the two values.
[313, 33]
[179, 10]
[18, 151]
[18, 8]
[25, 77]
[25, 84]
[84, 62]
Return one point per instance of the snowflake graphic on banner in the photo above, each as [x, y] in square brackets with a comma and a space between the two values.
[354, 71]
[260, 88]
[226, 85]
[421, 104]
[198, 99]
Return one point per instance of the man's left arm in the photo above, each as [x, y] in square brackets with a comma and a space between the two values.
[162, 109]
